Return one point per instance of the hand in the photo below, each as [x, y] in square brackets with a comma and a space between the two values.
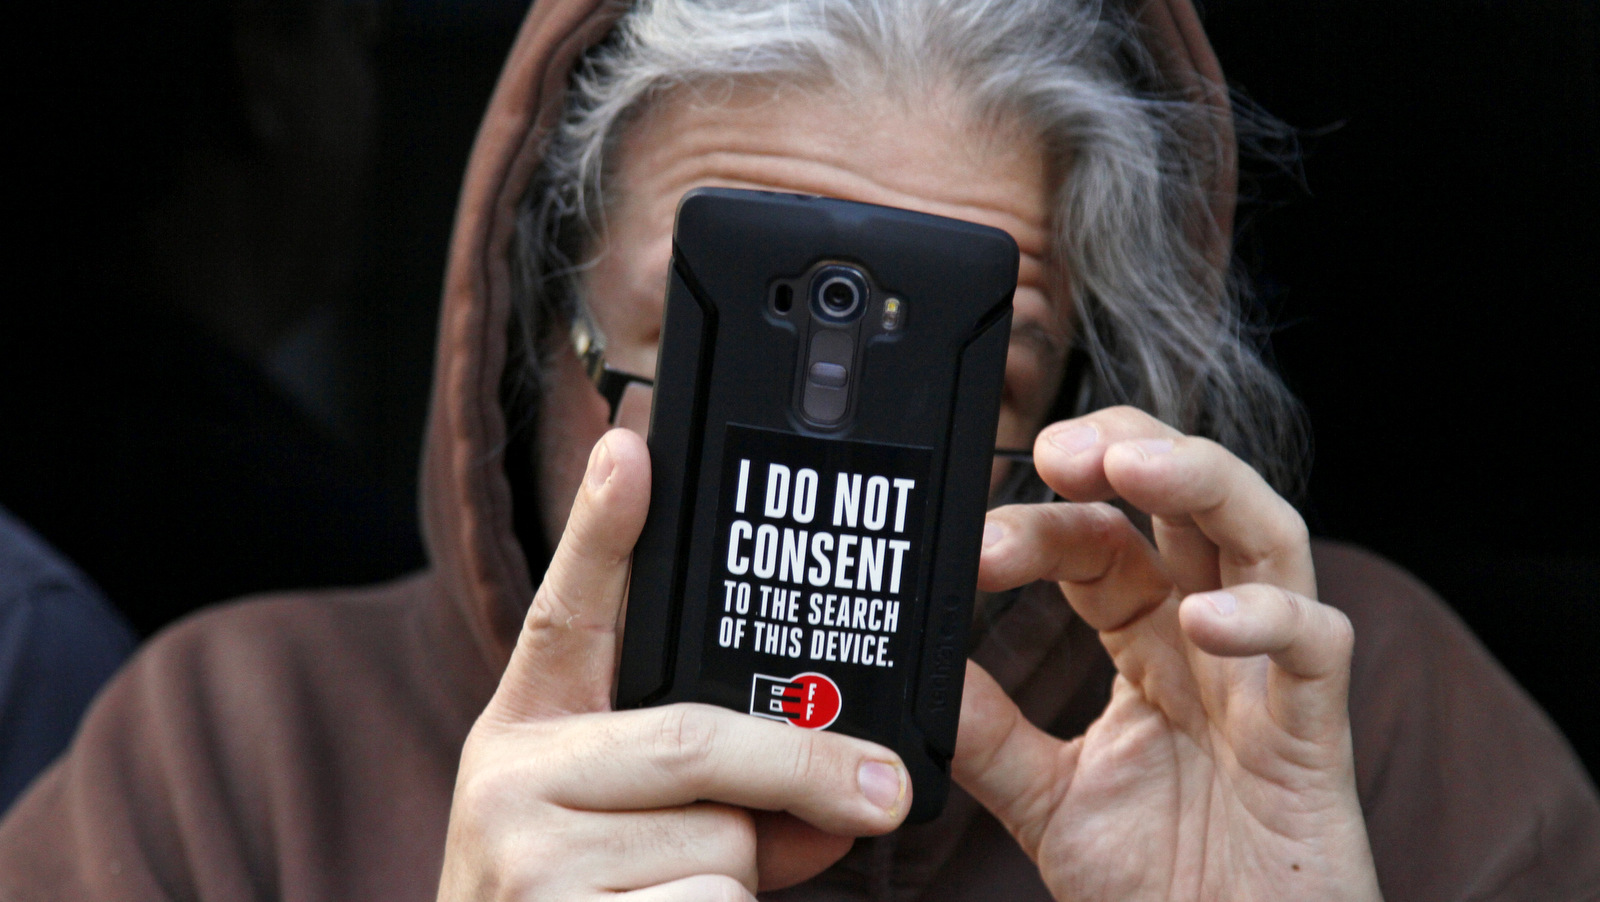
[559, 798]
[1221, 769]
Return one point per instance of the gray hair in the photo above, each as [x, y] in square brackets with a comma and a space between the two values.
[1133, 241]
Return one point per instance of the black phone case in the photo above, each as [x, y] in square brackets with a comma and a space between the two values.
[820, 574]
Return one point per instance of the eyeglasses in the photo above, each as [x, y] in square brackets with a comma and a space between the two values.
[629, 396]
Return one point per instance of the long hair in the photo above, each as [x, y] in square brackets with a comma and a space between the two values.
[1156, 317]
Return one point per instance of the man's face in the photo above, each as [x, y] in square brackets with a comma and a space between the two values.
[931, 158]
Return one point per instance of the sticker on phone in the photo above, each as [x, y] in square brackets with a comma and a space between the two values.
[810, 701]
[818, 560]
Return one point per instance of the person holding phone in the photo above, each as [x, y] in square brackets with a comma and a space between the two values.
[1218, 709]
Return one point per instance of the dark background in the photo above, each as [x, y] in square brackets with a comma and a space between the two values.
[1431, 267]
[1436, 279]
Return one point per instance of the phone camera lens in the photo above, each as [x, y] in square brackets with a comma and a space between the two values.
[839, 296]
[839, 292]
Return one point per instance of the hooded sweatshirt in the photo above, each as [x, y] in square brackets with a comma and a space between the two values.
[305, 746]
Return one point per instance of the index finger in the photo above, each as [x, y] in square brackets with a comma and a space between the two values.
[566, 652]
[1185, 483]
[682, 753]
[1259, 536]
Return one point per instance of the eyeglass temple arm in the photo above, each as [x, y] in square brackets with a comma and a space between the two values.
[612, 383]
[609, 382]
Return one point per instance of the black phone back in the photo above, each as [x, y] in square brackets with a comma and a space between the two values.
[827, 391]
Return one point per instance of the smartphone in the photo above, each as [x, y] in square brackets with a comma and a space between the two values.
[827, 390]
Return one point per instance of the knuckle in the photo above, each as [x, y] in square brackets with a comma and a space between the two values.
[1327, 627]
[492, 812]
[1116, 541]
[1293, 607]
[805, 759]
[514, 879]
[685, 738]
[479, 745]
[497, 774]
[1341, 633]
[735, 830]
[485, 791]
[477, 797]
[554, 615]
[550, 610]
[1280, 537]
[1291, 528]
[523, 861]
[1102, 521]
[1094, 526]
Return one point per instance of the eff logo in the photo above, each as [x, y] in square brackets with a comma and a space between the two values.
[810, 700]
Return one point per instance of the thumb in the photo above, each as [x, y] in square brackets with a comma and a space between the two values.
[1006, 763]
[565, 655]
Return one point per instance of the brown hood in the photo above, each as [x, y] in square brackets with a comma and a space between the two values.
[466, 498]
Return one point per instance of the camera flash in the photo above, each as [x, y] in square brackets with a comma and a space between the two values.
[892, 311]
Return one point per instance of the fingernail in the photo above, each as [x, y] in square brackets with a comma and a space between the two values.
[882, 784]
[1154, 447]
[1074, 439]
[600, 465]
[1223, 603]
[992, 533]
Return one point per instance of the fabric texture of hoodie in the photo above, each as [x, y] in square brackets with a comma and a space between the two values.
[305, 747]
